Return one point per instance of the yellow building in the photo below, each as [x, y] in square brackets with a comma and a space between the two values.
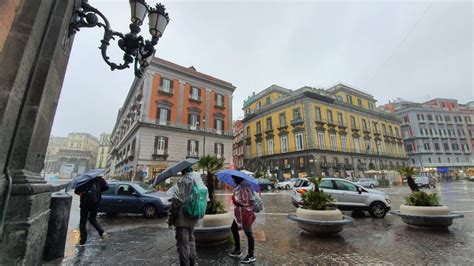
[336, 132]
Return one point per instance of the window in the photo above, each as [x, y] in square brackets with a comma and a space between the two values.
[439, 160]
[219, 100]
[259, 106]
[455, 146]
[218, 125]
[161, 144]
[446, 146]
[436, 146]
[353, 122]
[429, 160]
[371, 106]
[318, 114]
[359, 102]
[349, 98]
[364, 125]
[163, 116]
[195, 94]
[330, 120]
[268, 100]
[340, 119]
[449, 160]
[379, 146]
[343, 185]
[296, 114]
[219, 150]
[326, 183]
[166, 85]
[343, 142]
[299, 140]
[193, 146]
[269, 123]
[332, 138]
[259, 149]
[427, 146]
[282, 118]
[270, 146]
[321, 140]
[125, 190]
[284, 144]
[430, 117]
[248, 131]
[193, 120]
[357, 144]
[367, 145]
[421, 131]
[457, 159]
[397, 133]
[111, 190]
[375, 128]
[259, 128]
[384, 129]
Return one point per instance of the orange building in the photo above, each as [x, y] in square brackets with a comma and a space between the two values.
[173, 113]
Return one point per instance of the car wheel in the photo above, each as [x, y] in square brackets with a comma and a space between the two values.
[372, 185]
[377, 210]
[287, 187]
[149, 211]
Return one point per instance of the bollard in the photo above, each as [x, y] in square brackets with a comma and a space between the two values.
[57, 228]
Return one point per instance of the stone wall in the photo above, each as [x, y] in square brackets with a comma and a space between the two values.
[8, 10]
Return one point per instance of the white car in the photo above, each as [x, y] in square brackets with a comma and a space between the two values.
[348, 196]
[367, 182]
[471, 178]
[287, 184]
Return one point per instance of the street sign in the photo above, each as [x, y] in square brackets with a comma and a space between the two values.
[145, 174]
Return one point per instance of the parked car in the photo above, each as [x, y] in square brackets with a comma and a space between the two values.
[287, 184]
[422, 181]
[265, 184]
[471, 178]
[367, 182]
[132, 197]
[348, 195]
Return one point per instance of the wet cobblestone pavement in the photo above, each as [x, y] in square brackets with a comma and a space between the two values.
[137, 241]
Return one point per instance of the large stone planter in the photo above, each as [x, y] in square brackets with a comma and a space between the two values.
[320, 222]
[427, 216]
[215, 229]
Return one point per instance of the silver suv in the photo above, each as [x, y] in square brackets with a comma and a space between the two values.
[348, 196]
[367, 182]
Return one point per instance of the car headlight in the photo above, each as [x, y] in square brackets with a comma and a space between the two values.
[387, 198]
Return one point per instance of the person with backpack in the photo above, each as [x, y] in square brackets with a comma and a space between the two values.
[188, 205]
[244, 216]
[90, 195]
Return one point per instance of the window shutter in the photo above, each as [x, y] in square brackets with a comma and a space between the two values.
[156, 143]
[161, 83]
[215, 148]
[199, 93]
[158, 113]
[197, 146]
[222, 149]
[189, 145]
[189, 119]
[168, 118]
[166, 144]
[215, 123]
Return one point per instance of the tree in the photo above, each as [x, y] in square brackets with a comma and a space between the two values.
[408, 172]
[211, 164]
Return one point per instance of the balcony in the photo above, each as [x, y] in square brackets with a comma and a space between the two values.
[297, 122]
[160, 154]
[166, 91]
[194, 98]
[130, 155]
[219, 105]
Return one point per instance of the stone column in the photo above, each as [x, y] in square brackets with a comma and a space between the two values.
[32, 67]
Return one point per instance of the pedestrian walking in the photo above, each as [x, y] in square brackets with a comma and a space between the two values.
[188, 205]
[244, 217]
[91, 195]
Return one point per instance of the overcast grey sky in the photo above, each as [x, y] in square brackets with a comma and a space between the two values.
[410, 49]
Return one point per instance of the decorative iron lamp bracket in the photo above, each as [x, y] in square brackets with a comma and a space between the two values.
[132, 44]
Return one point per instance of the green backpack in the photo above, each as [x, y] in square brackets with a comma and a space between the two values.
[195, 207]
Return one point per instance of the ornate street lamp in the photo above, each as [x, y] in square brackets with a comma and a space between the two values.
[135, 48]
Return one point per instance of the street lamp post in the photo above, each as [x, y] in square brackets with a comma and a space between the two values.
[133, 45]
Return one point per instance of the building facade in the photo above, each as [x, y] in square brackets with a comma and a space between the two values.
[438, 135]
[238, 144]
[103, 151]
[71, 155]
[173, 113]
[307, 132]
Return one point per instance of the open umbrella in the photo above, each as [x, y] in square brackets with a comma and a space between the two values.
[174, 169]
[84, 178]
[226, 176]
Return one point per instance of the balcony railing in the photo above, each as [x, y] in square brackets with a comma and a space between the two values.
[187, 127]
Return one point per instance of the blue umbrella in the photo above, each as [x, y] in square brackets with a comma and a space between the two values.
[84, 178]
[174, 169]
[226, 177]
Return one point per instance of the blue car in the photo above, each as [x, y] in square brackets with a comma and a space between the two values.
[132, 197]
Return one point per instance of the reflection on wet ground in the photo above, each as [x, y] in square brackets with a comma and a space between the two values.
[136, 240]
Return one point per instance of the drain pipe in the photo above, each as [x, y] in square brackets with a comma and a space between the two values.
[5, 201]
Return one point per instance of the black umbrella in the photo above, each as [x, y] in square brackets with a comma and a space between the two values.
[174, 169]
[82, 179]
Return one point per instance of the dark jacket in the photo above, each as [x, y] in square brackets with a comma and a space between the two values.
[91, 192]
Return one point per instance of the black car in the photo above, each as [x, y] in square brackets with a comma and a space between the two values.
[134, 197]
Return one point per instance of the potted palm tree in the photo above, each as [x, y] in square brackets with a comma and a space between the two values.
[217, 221]
[318, 215]
[422, 209]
